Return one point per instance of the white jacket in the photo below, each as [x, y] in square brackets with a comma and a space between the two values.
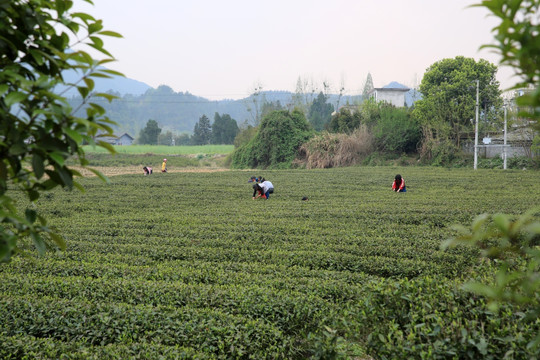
[266, 185]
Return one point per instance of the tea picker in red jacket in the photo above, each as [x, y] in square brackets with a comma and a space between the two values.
[399, 184]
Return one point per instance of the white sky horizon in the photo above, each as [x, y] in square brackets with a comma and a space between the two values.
[225, 49]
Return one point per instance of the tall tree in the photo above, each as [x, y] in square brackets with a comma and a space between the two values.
[370, 112]
[150, 133]
[341, 92]
[39, 130]
[202, 132]
[449, 98]
[395, 130]
[217, 129]
[182, 139]
[275, 144]
[268, 107]
[298, 96]
[368, 86]
[254, 102]
[320, 112]
[345, 121]
[166, 138]
[304, 94]
[231, 129]
[224, 129]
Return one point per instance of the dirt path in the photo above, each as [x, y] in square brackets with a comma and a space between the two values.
[137, 170]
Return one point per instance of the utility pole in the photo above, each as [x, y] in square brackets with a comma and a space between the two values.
[504, 147]
[476, 126]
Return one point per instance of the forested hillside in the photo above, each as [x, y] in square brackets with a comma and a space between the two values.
[179, 111]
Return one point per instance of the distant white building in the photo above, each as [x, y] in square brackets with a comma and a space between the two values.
[391, 95]
[124, 139]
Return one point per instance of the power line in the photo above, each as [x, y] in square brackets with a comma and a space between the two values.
[154, 102]
[143, 99]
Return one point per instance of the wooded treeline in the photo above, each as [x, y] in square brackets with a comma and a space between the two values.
[178, 112]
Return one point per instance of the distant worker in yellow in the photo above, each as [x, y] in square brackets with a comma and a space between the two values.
[164, 166]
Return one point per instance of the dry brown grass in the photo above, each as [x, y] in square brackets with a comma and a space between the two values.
[335, 150]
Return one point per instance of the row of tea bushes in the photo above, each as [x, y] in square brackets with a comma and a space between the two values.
[429, 319]
[330, 285]
[31, 347]
[189, 266]
[316, 258]
[292, 312]
[207, 330]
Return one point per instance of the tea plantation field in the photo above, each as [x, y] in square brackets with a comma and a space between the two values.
[187, 265]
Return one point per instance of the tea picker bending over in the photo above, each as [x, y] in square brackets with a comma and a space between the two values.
[399, 184]
[147, 170]
[263, 190]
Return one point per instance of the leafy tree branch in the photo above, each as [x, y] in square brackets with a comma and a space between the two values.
[39, 130]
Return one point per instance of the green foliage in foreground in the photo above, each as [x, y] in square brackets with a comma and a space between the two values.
[517, 20]
[514, 243]
[165, 150]
[171, 267]
[39, 130]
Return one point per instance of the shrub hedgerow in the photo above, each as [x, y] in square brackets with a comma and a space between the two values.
[329, 150]
[279, 136]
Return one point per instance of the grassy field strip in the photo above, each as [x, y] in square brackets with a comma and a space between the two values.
[164, 150]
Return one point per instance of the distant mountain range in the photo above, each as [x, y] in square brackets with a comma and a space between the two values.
[118, 84]
[178, 112]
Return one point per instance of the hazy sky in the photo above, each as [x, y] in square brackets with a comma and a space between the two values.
[224, 49]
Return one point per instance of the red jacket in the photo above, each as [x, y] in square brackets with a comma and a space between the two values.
[401, 186]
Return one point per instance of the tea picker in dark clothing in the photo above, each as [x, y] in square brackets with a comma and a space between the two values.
[257, 191]
[254, 179]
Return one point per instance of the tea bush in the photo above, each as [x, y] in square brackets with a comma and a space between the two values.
[189, 266]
